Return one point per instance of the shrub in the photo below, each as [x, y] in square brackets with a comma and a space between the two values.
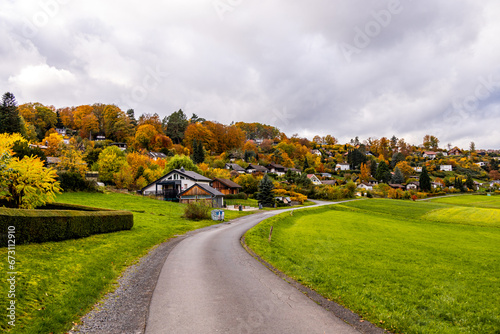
[72, 181]
[197, 211]
[237, 196]
[57, 222]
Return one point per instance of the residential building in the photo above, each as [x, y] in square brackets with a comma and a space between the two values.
[157, 155]
[225, 186]
[235, 167]
[314, 179]
[276, 169]
[252, 168]
[343, 166]
[446, 168]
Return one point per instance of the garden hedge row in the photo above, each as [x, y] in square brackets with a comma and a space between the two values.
[57, 222]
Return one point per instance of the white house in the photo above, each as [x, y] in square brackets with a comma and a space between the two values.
[174, 183]
[446, 168]
[481, 164]
[235, 167]
[365, 186]
[430, 154]
[314, 179]
[343, 167]
[418, 169]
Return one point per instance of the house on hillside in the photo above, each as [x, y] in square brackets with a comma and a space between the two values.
[171, 185]
[365, 186]
[252, 168]
[121, 146]
[455, 151]
[413, 185]
[418, 169]
[327, 175]
[157, 155]
[226, 187]
[430, 155]
[314, 179]
[329, 182]
[202, 192]
[294, 170]
[276, 169]
[446, 168]
[343, 166]
[236, 168]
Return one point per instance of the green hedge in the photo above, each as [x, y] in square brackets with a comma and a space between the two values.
[57, 222]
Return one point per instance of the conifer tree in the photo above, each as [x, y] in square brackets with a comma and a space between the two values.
[383, 173]
[425, 180]
[10, 121]
[398, 177]
[265, 195]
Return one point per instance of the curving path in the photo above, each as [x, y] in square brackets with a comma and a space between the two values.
[210, 284]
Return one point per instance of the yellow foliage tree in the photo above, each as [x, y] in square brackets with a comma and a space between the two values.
[54, 143]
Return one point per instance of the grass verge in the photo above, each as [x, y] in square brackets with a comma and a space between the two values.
[391, 264]
[58, 282]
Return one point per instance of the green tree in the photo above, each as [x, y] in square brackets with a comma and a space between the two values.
[22, 149]
[10, 120]
[383, 172]
[110, 161]
[265, 195]
[469, 183]
[179, 161]
[198, 152]
[425, 180]
[398, 177]
[397, 157]
[356, 158]
[131, 116]
[176, 125]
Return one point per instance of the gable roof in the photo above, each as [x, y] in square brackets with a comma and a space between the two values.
[275, 166]
[228, 183]
[187, 173]
[235, 167]
[157, 155]
[258, 168]
[207, 188]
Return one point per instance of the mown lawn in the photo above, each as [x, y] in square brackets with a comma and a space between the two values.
[479, 201]
[394, 262]
[58, 282]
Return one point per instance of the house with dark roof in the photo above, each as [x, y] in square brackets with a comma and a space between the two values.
[202, 192]
[225, 186]
[174, 183]
[235, 167]
[276, 169]
[252, 168]
[157, 155]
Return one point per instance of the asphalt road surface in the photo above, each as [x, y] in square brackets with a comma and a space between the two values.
[210, 284]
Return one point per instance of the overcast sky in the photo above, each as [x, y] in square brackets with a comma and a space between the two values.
[346, 68]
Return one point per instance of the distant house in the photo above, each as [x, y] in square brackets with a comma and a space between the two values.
[52, 161]
[314, 179]
[121, 146]
[294, 170]
[157, 155]
[481, 164]
[455, 151]
[252, 168]
[174, 183]
[235, 167]
[326, 175]
[225, 186]
[276, 169]
[430, 155]
[285, 200]
[343, 166]
[397, 186]
[436, 185]
[365, 186]
[446, 168]
[413, 186]
[202, 192]
[494, 183]
[316, 152]
[329, 182]
[61, 131]
[418, 169]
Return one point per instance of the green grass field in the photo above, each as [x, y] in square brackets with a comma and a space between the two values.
[58, 282]
[409, 267]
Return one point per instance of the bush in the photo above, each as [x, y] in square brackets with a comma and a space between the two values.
[197, 211]
[237, 196]
[72, 181]
[58, 222]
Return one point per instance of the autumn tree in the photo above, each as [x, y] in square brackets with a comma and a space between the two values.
[71, 160]
[365, 174]
[160, 143]
[153, 120]
[199, 133]
[86, 121]
[110, 161]
[25, 183]
[181, 161]
[431, 142]
[54, 143]
[330, 140]
[405, 168]
[144, 135]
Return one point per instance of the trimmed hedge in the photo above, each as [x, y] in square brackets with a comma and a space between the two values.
[58, 222]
